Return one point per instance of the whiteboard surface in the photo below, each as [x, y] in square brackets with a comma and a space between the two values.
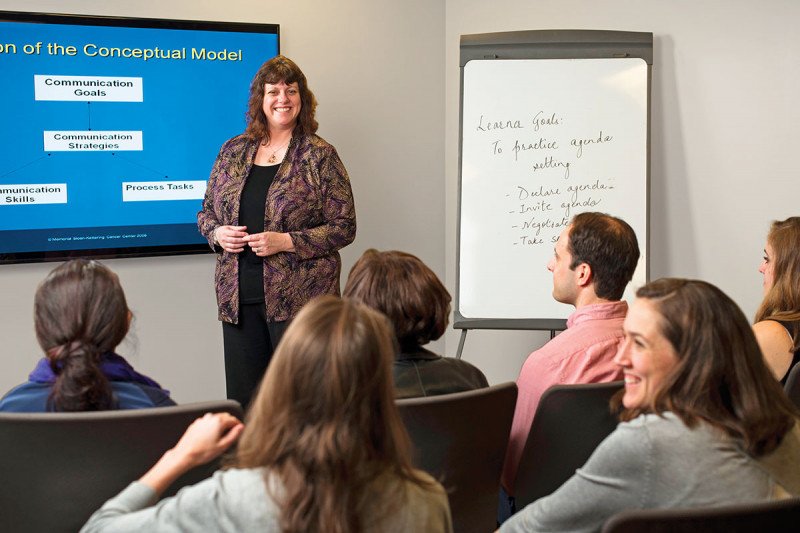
[543, 140]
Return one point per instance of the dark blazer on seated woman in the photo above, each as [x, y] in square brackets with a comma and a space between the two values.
[130, 390]
[420, 372]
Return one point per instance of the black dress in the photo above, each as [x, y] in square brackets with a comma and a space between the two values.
[791, 327]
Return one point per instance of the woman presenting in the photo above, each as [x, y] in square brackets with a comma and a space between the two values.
[277, 209]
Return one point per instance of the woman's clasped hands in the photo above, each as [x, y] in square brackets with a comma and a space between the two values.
[234, 239]
[269, 243]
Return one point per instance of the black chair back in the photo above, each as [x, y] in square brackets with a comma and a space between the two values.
[775, 517]
[58, 468]
[792, 386]
[570, 421]
[461, 439]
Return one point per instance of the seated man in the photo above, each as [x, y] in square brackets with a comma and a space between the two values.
[594, 260]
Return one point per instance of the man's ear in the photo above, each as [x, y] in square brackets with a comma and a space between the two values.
[583, 275]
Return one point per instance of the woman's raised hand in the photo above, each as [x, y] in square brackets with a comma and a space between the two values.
[207, 438]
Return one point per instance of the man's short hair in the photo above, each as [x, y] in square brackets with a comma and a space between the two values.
[609, 246]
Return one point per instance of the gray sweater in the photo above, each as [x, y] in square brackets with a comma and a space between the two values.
[655, 462]
[237, 500]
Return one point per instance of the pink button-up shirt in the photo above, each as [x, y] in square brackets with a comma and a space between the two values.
[583, 353]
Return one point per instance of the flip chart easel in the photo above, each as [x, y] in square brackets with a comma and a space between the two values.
[553, 123]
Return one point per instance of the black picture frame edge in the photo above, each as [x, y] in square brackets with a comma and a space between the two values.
[129, 22]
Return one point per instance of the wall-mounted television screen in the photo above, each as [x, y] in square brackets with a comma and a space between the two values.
[110, 127]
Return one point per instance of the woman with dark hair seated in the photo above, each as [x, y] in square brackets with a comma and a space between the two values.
[777, 326]
[704, 422]
[80, 316]
[324, 448]
[401, 287]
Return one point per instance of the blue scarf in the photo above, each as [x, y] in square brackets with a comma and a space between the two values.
[113, 366]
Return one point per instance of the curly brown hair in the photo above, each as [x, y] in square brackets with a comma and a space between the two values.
[279, 69]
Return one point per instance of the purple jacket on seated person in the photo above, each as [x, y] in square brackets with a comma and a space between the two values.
[310, 198]
[131, 389]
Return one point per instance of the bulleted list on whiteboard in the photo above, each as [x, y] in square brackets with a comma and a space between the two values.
[543, 140]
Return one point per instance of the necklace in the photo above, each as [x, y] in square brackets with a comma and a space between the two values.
[273, 158]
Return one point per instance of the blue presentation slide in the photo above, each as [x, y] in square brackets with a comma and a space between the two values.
[109, 133]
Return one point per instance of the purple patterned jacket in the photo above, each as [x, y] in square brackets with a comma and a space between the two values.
[310, 198]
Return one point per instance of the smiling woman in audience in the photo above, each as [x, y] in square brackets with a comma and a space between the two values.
[80, 316]
[777, 326]
[324, 448]
[704, 422]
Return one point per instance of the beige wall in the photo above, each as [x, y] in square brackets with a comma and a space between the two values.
[724, 115]
[377, 68]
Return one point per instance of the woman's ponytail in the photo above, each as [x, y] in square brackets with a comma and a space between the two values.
[80, 314]
[80, 383]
